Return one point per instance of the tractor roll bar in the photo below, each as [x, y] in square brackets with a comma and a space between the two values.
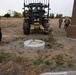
[36, 1]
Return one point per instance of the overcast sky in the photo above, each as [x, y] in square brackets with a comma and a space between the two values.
[64, 7]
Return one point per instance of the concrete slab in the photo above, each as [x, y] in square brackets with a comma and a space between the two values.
[59, 73]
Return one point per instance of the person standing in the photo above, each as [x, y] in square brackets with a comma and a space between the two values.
[60, 22]
[66, 23]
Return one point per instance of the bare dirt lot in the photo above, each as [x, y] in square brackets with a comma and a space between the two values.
[59, 54]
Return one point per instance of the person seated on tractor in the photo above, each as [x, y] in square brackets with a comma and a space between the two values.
[36, 9]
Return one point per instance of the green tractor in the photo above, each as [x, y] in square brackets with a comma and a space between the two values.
[36, 15]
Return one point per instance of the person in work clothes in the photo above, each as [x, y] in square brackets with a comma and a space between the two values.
[60, 22]
[66, 23]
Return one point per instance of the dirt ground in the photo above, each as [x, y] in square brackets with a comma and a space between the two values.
[59, 54]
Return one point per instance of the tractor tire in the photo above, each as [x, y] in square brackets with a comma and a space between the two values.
[26, 28]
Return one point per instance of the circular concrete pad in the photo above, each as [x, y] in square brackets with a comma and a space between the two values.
[34, 44]
[54, 73]
[60, 73]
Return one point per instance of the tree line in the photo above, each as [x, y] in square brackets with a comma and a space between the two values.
[16, 14]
